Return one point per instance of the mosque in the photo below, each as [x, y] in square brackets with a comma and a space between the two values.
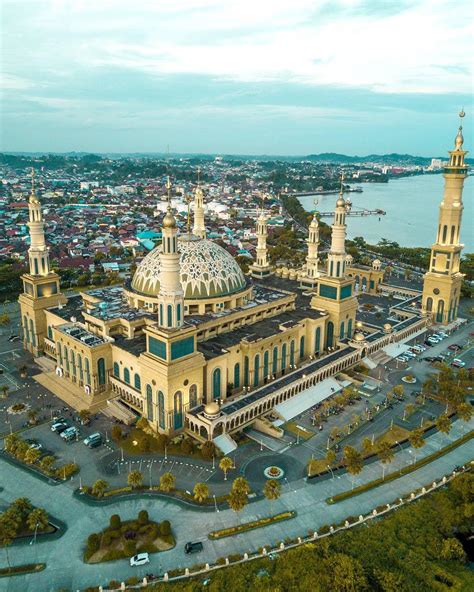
[194, 345]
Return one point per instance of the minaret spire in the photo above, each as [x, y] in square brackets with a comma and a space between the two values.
[442, 282]
[261, 267]
[171, 296]
[38, 251]
[337, 253]
[312, 259]
[199, 228]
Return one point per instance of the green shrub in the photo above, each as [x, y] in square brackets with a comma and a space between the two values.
[114, 584]
[146, 548]
[233, 557]
[187, 446]
[220, 561]
[200, 566]
[154, 531]
[115, 522]
[130, 548]
[93, 542]
[143, 517]
[132, 581]
[324, 529]
[175, 572]
[165, 528]
[208, 449]
[107, 538]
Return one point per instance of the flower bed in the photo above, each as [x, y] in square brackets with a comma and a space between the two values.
[396, 474]
[233, 530]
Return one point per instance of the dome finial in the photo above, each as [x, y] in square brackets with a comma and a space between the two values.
[198, 175]
[33, 197]
[340, 202]
[459, 141]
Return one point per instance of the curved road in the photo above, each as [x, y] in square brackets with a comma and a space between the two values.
[65, 568]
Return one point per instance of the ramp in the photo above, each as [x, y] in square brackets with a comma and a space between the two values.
[225, 444]
[273, 444]
[115, 408]
[306, 399]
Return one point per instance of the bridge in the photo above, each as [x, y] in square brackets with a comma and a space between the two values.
[358, 213]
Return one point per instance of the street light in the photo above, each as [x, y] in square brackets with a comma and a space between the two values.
[215, 503]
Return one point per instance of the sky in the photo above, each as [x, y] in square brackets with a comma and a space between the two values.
[289, 77]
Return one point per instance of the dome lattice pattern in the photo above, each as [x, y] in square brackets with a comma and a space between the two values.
[207, 270]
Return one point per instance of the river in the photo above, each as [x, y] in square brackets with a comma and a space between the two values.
[412, 210]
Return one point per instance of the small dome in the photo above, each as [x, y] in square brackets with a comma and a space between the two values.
[211, 409]
[387, 327]
[169, 220]
[376, 264]
[340, 203]
[359, 337]
[359, 324]
[349, 258]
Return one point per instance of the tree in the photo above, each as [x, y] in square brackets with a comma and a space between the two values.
[225, 464]
[331, 457]
[135, 479]
[416, 440]
[116, 433]
[443, 423]
[32, 455]
[398, 390]
[99, 487]
[142, 424]
[165, 528]
[115, 522]
[464, 412]
[8, 531]
[201, 492]
[37, 518]
[11, 442]
[272, 491]
[167, 482]
[143, 517]
[23, 506]
[4, 389]
[452, 550]
[237, 500]
[46, 463]
[242, 485]
[32, 416]
[367, 447]
[85, 416]
[353, 461]
[385, 454]
[93, 543]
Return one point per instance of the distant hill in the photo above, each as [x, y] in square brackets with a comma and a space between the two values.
[392, 158]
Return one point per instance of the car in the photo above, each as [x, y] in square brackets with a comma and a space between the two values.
[454, 347]
[34, 444]
[401, 359]
[457, 363]
[428, 343]
[59, 427]
[70, 433]
[443, 334]
[14, 338]
[410, 354]
[193, 547]
[428, 359]
[139, 559]
[433, 339]
[93, 440]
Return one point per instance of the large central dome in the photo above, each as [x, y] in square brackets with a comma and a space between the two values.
[207, 270]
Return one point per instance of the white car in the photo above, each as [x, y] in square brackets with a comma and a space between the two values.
[139, 559]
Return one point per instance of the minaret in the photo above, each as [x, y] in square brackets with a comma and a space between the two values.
[171, 296]
[261, 267]
[312, 259]
[335, 291]
[442, 282]
[41, 288]
[38, 252]
[337, 253]
[199, 229]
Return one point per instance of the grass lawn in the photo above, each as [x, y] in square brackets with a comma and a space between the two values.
[139, 442]
[319, 466]
[396, 434]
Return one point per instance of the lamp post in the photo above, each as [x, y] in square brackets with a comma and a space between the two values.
[215, 503]
[149, 467]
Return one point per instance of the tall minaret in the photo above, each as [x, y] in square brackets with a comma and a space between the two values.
[337, 253]
[442, 282]
[261, 267]
[199, 229]
[312, 259]
[41, 288]
[38, 252]
[171, 296]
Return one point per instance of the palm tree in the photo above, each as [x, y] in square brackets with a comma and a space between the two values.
[225, 465]
[5, 388]
[201, 492]
[353, 461]
[46, 463]
[32, 416]
[313, 466]
[135, 479]
[367, 446]
[330, 457]
[464, 412]
[99, 487]
[23, 506]
[385, 454]
[416, 440]
[443, 423]
[241, 485]
[32, 455]
[167, 481]
[8, 531]
[11, 442]
[272, 491]
[237, 500]
[37, 518]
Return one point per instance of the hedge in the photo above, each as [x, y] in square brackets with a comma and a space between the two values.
[19, 570]
[396, 474]
[233, 530]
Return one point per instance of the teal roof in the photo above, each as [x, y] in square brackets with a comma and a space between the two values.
[148, 234]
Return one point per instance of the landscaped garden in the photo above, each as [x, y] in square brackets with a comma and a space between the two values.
[123, 539]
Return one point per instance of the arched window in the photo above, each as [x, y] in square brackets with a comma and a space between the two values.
[88, 371]
[32, 332]
[60, 353]
[162, 319]
[445, 233]
[216, 383]
[453, 231]
[149, 402]
[317, 340]
[330, 334]
[101, 371]
[246, 371]
[116, 370]
[338, 269]
[73, 363]
[349, 328]
[161, 410]
[341, 331]
[256, 370]
[292, 353]
[193, 396]
[178, 410]
[265, 365]
[178, 313]
[66, 358]
[440, 313]
[137, 381]
[301, 347]
[126, 375]
[429, 304]
[79, 365]
[283, 357]
[237, 375]
[27, 330]
[50, 332]
[275, 360]
[170, 315]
